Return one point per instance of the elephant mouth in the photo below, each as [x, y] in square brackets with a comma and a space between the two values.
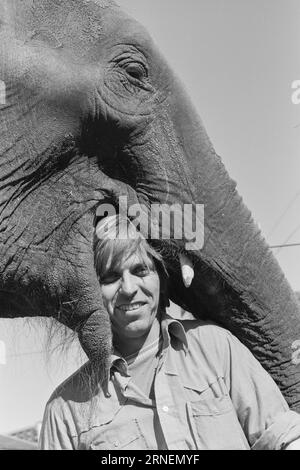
[14, 304]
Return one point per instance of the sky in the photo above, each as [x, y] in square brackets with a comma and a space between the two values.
[238, 60]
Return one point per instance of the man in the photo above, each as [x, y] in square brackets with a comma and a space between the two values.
[173, 384]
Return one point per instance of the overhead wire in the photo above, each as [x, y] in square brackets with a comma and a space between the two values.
[285, 243]
[282, 215]
[285, 246]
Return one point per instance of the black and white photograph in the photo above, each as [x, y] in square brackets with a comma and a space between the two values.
[149, 227]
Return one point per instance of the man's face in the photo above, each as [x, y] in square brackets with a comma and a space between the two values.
[131, 296]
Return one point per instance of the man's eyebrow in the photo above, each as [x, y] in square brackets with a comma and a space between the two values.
[140, 263]
[110, 271]
[144, 264]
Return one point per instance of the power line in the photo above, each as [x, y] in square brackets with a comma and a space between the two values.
[289, 237]
[286, 209]
[285, 246]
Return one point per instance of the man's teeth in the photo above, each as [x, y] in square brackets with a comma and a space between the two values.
[134, 306]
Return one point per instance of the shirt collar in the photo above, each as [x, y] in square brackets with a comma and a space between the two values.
[118, 362]
[171, 327]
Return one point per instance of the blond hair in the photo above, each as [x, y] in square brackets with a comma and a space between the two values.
[116, 239]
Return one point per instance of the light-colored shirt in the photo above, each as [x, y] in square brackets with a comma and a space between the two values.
[209, 392]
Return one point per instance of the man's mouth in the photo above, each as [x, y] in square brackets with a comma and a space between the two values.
[130, 307]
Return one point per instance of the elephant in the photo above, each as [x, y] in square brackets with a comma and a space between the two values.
[92, 114]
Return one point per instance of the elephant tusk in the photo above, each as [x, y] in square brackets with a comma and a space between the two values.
[187, 270]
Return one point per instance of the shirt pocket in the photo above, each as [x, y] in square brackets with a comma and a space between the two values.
[123, 437]
[216, 425]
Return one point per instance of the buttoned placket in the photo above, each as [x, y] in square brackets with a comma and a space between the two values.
[171, 412]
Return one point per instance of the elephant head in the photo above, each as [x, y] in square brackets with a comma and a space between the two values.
[92, 113]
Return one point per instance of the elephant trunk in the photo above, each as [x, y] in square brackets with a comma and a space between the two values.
[95, 338]
[238, 283]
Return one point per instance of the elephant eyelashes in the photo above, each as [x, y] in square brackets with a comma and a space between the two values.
[135, 70]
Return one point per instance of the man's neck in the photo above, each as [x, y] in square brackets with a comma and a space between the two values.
[131, 346]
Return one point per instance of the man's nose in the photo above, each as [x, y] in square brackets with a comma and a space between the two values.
[128, 284]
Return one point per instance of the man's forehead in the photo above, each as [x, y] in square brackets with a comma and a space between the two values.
[138, 258]
[130, 261]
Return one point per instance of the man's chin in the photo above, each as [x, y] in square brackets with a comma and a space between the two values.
[133, 332]
[137, 329]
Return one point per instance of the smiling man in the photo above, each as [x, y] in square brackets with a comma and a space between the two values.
[173, 385]
[131, 292]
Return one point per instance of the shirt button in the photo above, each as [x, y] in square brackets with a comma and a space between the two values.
[116, 443]
[165, 409]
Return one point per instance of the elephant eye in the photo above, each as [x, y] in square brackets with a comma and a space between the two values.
[136, 70]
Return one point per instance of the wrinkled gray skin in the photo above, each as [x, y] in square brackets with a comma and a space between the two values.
[94, 112]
